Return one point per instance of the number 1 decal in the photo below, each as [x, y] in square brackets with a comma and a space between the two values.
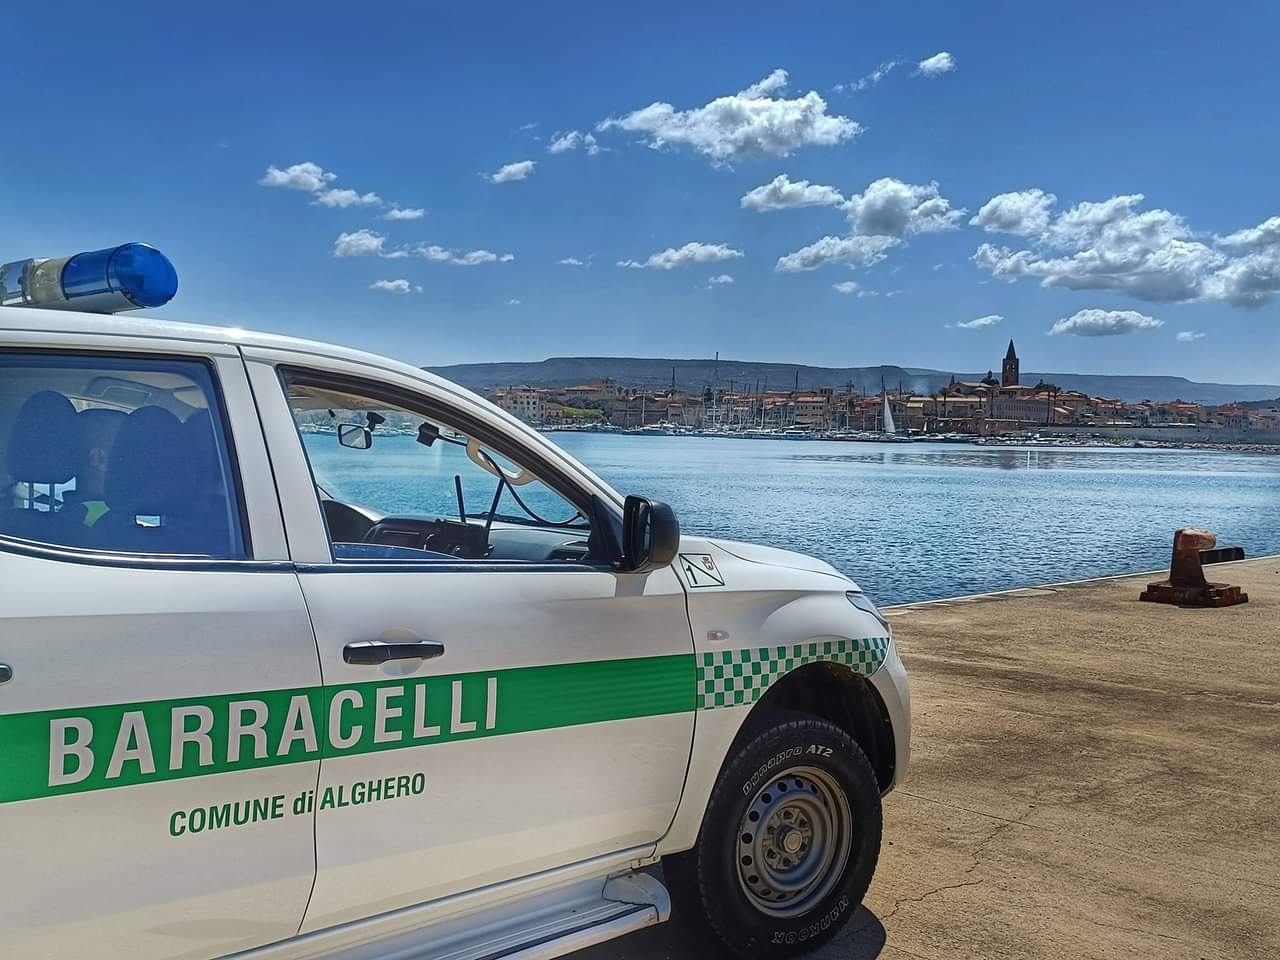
[700, 570]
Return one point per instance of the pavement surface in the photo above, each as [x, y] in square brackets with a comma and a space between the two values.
[1092, 777]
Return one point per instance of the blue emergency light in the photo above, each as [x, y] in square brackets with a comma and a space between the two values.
[128, 277]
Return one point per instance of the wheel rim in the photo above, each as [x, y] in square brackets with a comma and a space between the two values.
[794, 841]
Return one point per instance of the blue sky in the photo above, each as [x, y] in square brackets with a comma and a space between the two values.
[161, 122]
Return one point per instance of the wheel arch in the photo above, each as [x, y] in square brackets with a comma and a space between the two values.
[832, 692]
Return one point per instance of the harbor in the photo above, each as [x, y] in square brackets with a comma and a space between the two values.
[990, 409]
[1103, 788]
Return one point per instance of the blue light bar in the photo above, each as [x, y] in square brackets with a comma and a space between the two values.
[127, 277]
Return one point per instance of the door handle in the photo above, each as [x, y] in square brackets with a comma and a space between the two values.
[373, 652]
[6, 673]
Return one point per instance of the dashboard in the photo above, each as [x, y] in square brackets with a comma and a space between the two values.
[357, 536]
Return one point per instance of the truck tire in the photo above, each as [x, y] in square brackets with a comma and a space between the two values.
[788, 844]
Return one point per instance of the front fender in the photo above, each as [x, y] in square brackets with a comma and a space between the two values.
[751, 630]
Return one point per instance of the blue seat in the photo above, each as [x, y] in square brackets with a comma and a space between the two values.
[153, 479]
[45, 448]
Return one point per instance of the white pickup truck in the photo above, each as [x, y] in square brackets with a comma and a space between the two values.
[307, 653]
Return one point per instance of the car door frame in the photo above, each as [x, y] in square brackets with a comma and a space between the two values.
[154, 851]
[312, 552]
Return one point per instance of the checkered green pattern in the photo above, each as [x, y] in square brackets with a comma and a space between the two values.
[734, 678]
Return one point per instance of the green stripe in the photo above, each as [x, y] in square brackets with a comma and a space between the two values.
[528, 699]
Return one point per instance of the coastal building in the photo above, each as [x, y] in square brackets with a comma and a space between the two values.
[601, 390]
[813, 409]
[1009, 368]
[526, 403]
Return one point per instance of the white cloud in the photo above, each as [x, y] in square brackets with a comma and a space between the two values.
[301, 176]
[854, 250]
[687, 255]
[460, 258]
[782, 193]
[359, 243]
[1189, 336]
[347, 198]
[433, 252]
[564, 142]
[513, 171]
[514, 302]
[935, 66]
[572, 140]
[881, 217]
[404, 213]
[1249, 281]
[775, 82]
[394, 286]
[845, 286]
[891, 208]
[1024, 212]
[1151, 255]
[1088, 219]
[570, 262]
[473, 257]
[981, 323]
[870, 80]
[1114, 245]
[310, 177]
[757, 121]
[1265, 234]
[1104, 323]
[719, 280]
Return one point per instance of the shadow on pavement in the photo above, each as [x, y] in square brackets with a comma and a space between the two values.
[864, 939]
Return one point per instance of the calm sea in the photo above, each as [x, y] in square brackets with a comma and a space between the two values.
[912, 522]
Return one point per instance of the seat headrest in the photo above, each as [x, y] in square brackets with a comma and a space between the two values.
[46, 444]
[100, 421]
[203, 445]
[99, 426]
[150, 468]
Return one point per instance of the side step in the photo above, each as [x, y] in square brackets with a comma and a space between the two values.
[549, 925]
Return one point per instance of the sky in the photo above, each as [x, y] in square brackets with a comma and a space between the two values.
[840, 184]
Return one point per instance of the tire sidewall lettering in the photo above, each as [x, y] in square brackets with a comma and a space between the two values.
[791, 753]
[812, 928]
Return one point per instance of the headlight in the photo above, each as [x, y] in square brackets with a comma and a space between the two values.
[863, 603]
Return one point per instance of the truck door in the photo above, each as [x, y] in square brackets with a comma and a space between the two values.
[158, 660]
[534, 708]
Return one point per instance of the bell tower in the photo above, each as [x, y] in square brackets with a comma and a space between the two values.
[1009, 369]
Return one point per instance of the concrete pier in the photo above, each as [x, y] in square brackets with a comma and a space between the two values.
[1093, 777]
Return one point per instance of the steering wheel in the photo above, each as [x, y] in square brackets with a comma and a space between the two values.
[481, 459]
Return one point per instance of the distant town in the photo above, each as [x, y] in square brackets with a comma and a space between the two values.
[993, 408]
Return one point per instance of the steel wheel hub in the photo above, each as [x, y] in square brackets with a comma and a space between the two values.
[794, 841]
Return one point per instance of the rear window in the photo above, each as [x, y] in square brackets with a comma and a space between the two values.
[126, 455]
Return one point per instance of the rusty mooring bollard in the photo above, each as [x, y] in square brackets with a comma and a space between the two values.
[1187, 585]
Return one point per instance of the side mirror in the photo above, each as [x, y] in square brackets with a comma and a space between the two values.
[650, 535]
[355, 435]
[428, 433]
